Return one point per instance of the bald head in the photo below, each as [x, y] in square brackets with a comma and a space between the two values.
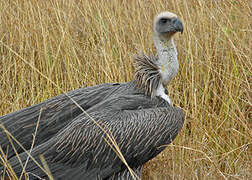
[167, 24]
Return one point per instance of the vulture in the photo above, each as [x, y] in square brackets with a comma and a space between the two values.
[113, 127]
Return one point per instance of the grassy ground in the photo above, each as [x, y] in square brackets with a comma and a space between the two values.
[78, 43]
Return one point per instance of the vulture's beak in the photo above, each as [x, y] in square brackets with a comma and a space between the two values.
[178, 25]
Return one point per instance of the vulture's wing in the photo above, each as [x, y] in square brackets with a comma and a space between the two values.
[139, 125]
[54, 114]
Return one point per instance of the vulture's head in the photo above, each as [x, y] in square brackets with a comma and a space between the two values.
[166, 24]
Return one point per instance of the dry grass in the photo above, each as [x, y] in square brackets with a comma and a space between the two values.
[78, 43]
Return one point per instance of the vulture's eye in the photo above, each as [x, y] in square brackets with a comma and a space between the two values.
[164, 20]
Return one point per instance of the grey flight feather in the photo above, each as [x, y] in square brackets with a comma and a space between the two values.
[54, 114]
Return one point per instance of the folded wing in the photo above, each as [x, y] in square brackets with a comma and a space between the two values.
[53, 114]
[138, 125]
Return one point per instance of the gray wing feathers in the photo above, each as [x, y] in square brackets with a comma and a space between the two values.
[54, 114]
[79, 151]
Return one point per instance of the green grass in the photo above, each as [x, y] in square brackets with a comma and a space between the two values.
[76, 43]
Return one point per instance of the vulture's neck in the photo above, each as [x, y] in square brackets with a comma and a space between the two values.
[167, 62]
[167, 59]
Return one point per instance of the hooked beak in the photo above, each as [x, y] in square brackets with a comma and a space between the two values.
[178, 25]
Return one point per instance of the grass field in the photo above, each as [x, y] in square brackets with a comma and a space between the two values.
[77, 43]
